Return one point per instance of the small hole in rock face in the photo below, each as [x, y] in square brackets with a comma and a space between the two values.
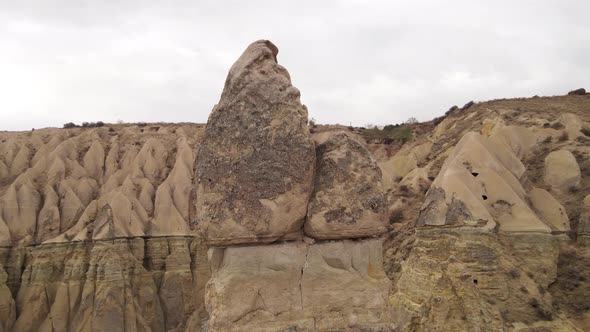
[484, 197]
[475, 174]
[475, 281]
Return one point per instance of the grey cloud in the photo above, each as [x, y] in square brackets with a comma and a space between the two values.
[354, 61]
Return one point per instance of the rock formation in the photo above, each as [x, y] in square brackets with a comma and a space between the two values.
[254, 173]
[348, 199]
[561, 170]
[255, 165]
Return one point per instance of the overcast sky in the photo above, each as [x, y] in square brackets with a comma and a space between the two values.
[355, 62]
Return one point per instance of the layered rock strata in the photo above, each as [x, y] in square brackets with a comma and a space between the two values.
[480, 247]
[324, 286]
[116, 285]
[94, 230]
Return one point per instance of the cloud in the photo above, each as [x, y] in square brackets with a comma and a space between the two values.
[354, 61]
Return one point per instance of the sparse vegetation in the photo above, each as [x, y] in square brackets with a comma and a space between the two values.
[92, 124]
[397, 133]
[586, 131]
[563, 137]
[84, 125]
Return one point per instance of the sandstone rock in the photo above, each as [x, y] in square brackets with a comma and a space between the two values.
[583, 229]
[343, 286]
[110, 285]
[518, 139]
[550, 210]
[397, 167]
[347, 200]
[460, 279]
[573, 125]
[7, 306]
[417, 180]
[327, 286]
[478, 185]
[4, 234]
[255, 166]
[171, 214]
[561, 170]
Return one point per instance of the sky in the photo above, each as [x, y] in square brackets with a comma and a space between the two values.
[355, 62]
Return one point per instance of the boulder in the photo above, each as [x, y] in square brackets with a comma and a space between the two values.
[254, 168]
[347, 200]
[562, 171]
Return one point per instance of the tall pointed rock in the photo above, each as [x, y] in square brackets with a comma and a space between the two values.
[254, 168]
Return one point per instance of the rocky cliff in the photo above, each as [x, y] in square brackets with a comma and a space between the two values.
[476, 221]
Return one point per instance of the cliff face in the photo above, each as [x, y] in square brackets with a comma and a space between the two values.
[257, 221]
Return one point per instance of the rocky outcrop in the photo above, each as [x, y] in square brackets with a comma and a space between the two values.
[97, 184]
[478, 185]
[254, 175]
[120, 285]
[255, 166]
[550, 210]
[480, 247]
[347, 200]
[7, 305]
[583, 230]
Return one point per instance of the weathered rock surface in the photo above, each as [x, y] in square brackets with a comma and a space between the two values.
[95, 184]
[478, 185]
[348, 200]
[549, 209]
[120, 285]
[583, 230]
[7, 305]
[561, 170]
[319, 287]
[255, 166]
[465, 280]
